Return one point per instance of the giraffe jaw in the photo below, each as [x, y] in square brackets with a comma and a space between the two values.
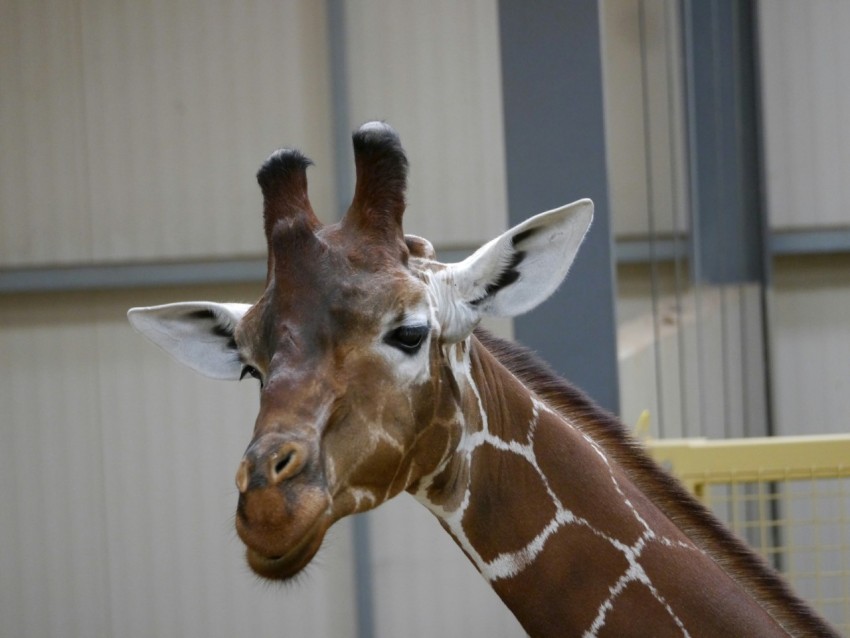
[287, 565]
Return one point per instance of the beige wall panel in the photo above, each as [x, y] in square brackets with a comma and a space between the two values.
[53, 564]
[184, 101]
[117, 468]
[810, 332]
[644, 118]
[43, 197]
[424, 584]
[432, 70]
[703, 348]
[133, 130]
[805, 77]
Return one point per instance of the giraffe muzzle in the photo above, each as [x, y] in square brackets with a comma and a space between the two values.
[270, 463]
[283, 507]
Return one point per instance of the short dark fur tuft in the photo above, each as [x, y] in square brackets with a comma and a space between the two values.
[381, 173]
[280, 168]
[283, 180]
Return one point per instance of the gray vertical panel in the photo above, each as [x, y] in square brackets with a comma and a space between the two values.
[555, 148]
[730, 230]
[340, 110]
[360, 524]
[724, 141]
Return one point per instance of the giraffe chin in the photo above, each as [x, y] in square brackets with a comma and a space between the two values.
[286, 566]
[282, 535]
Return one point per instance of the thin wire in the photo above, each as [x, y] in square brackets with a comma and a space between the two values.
[725, 364]
[650, 197]
[693, 171]
[676, 180]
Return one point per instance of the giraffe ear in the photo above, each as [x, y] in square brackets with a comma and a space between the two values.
[420, 247]
[198, 334]
[516, 271]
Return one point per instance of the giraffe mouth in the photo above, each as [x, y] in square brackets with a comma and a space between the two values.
[282, 526]
[287, 565]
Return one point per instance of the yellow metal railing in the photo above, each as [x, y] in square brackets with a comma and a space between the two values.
[788, 497]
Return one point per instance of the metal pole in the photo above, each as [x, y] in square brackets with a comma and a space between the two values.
[555, 153]
[361, 528]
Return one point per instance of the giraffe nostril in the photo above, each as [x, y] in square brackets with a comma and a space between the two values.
[280, 466]
[286, 462]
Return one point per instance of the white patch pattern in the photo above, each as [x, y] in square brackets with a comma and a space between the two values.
[510, 564]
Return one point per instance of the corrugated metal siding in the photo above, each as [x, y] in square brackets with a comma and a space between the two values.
[44, 206]
[810, 335]
[432, 70]
[133, 130]
[644, 117]
[695, 362]
[53, 568]
[805, 60]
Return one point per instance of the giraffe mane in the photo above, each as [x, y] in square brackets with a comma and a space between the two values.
[694, 519]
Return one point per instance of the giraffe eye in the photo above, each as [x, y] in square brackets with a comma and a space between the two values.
[251, 371]
[408, 339]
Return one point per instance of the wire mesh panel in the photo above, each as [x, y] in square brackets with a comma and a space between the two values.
[788, 498]
[801, 527]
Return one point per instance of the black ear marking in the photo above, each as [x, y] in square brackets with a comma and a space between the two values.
[508, 276]
[217, 329]
[517, 239]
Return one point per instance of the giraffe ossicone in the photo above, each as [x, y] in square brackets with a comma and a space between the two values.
[374, 380]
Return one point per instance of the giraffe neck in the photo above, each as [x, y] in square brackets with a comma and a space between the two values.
[562, 533]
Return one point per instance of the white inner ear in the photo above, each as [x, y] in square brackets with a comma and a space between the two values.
[198, 334]
[516, 271]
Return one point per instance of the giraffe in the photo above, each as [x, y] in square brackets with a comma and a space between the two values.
[376, 379]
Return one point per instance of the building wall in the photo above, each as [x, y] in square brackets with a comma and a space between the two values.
[805, 96]
[644, 117]
[690, 354]
[804, 64]
[132, 131]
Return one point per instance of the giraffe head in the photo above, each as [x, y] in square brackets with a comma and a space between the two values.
[354, 342]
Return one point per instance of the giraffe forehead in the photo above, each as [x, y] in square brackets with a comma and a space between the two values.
[329, 300]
